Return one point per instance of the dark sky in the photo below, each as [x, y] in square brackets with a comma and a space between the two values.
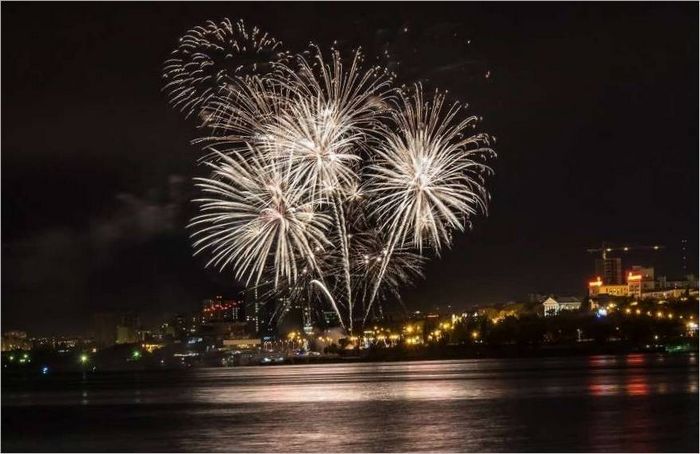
[594, 107]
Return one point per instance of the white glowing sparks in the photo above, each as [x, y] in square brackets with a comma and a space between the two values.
[429, 176]
[252, 218]
[209, 56]
[326, 182]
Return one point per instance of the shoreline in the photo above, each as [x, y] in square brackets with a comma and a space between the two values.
[442, 353]
[485, 352]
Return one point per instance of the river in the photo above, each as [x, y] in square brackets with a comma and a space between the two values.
[599, 403]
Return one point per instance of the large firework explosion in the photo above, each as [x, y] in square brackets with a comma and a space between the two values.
[327, 182]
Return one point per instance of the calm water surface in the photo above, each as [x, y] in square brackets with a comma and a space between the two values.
[601, 403]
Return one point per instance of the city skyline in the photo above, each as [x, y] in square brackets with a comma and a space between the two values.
[105, 229]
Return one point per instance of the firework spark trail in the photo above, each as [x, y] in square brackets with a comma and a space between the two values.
[428, 175]
[343, 235]
[330, 298]
[370, 254]
[322, 174]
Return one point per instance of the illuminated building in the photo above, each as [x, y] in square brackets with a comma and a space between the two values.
[615, 290]
[241, 343]
[598, 287]
[555, 305]
[646, 274]
[641, 284]
[221, 310]
[594, 287]
[634, 284]
[252, 318]
[671, 293]
[306, 316]
[15, 340]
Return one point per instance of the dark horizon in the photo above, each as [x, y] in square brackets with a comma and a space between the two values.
[594, 107]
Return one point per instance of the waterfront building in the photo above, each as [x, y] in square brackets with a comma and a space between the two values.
[555, 305]
[241, 343]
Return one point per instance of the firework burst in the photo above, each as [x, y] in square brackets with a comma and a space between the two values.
[212, 55]
[327, 183]
[429, 175]
[252, 219]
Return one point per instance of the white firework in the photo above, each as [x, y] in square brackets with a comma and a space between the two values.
[428, 176]
[253, 219]
[325, 180]
[212, 55]
[331, 111]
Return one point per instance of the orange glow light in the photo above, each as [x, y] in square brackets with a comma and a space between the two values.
[597, 283]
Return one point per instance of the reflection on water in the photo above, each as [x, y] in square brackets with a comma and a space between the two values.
[602, 403]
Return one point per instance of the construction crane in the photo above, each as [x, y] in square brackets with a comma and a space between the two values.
[605, 249]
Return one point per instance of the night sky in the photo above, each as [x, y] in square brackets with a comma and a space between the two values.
[595, 108]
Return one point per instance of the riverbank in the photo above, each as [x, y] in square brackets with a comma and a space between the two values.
[446, 352]
[45, 364]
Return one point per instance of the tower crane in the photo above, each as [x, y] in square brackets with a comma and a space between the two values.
[604, 249]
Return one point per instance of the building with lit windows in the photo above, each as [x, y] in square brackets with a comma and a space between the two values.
[642, 284]
[555, 305]
[596, 288]
[219, 309]
[15, 340]
[646, 277]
